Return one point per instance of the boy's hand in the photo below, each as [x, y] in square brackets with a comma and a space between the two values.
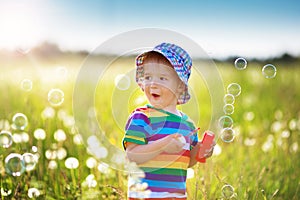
[210, 151]
[173, 144]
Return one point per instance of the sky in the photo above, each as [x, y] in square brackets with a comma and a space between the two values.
[254, 29]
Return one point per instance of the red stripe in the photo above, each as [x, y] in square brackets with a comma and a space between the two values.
[170, 198]
[171, 190]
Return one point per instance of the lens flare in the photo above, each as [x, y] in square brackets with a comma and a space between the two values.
[122, 82]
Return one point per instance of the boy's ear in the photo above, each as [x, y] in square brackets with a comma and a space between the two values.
[181, 87]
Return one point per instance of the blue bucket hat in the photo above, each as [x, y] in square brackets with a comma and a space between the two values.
[179, 59]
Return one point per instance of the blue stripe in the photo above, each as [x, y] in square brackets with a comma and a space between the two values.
[165, 184]
[171, 124]
[172, 130]
[139, 122]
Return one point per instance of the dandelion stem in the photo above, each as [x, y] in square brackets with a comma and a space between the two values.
[73, 177]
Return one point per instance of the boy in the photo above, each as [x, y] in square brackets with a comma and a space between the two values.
[160, 139]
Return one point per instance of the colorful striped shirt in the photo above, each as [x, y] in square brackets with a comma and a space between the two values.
[166, 173]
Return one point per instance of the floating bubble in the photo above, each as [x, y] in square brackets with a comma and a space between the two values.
[30, 161]
[228, 109]
[234, 89]
[6, 139]
[227, 135]
[19, 121]
[227, 191]
[26, 85]
[56, 97]
[61, 72]
[122, 82]
[71, 163]
[229, 99]
[225, 122]
[14, 164]
[269, 71]
[240, 63]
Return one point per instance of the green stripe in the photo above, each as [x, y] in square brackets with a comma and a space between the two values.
[175, 172]
[135, 133]
[171, 119]
[133, 141]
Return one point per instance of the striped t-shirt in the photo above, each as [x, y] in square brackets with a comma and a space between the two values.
[166, 173]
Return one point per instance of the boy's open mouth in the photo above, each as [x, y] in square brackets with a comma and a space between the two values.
[155, 95]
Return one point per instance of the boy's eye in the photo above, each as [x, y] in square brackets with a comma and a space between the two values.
[147, 78]
[163, 78]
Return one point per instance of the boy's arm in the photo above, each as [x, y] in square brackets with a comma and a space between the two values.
[194, 152]
[143, 153]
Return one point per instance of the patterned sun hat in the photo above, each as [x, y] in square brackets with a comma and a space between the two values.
[179, 59]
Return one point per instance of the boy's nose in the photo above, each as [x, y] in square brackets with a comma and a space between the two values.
[153, 84]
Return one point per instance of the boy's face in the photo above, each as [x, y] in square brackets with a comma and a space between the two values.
[162, 85]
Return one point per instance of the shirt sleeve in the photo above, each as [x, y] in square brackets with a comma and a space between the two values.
[194, 140]
[136, 129]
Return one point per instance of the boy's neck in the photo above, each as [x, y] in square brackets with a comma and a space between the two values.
[172, 110]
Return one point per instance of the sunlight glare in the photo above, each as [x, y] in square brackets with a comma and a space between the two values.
[19, 23]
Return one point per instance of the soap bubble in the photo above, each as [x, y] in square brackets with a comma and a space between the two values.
[122, 82]
[225, 122]
[228, 109]
[14, 164]
[234, 89]
[227, 135]
[229, 99]
[6, 139]
[56, 97]
[240, 63]
[19, 121]
[61, 72]
[227, 191]
[26, 85]
[269, 71]
[30, 161]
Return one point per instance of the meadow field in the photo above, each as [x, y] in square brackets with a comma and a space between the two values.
[53, 148]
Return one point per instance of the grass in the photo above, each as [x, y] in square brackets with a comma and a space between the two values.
[261, 163]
